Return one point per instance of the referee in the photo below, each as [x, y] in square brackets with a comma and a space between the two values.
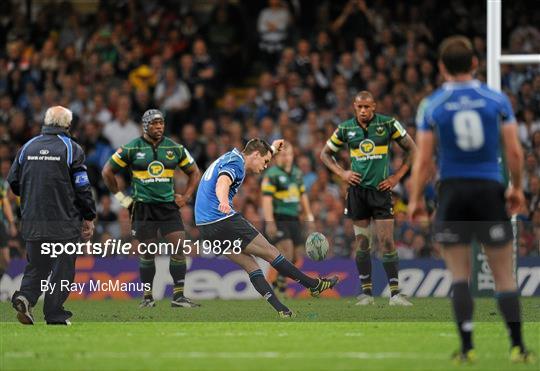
[57, 205]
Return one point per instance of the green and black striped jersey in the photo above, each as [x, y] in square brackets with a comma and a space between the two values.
[368, 148]
[152, 168]
[285, 189]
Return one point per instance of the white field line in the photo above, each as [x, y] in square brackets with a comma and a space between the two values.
[243, 355]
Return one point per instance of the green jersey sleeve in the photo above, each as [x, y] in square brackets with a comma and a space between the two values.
[185, 160]
[337, 140]
[120, 159]
[396, 130]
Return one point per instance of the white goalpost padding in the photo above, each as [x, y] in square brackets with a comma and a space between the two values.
[494, 60]
[494, 56]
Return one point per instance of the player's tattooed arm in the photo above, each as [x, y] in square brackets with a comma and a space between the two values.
[327, 157]
[408, 145]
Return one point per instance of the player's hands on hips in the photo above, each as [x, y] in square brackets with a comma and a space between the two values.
[388, 184]
[351, 177]
[278, 145]
[87, 230]
[224, 207]
[514, 199]
[180, 200]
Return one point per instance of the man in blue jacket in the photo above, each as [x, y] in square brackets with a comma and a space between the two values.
[57, 205]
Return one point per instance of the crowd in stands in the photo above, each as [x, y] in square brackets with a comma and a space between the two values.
[227, 71]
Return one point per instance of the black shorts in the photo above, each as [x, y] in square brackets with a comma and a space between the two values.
[148, 218]
[366, 203]
[289, 228]
[229, 230]
[472, 208]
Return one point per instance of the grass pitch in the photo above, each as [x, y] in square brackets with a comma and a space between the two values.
[247, 335]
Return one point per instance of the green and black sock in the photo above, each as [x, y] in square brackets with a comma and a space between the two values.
[177, 268]
[363, 264]
[390, 264]
[147, 271]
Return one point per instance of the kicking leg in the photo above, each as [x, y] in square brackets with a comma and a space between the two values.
[256, 276]
[260, 247]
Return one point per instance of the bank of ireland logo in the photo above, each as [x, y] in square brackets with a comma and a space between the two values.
[155, 168]
[367, 146]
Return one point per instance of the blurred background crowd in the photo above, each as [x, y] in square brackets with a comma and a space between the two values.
[226, 71]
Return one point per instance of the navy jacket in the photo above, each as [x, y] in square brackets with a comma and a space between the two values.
[50, 177]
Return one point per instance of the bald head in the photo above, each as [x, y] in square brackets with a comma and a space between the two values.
[58, 116]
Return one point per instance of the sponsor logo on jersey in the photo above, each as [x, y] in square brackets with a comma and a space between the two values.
[351, 134]
[282, 178]
[367, 146]
[140, 155]
[155, 168]
[169, 155]
[44, 152]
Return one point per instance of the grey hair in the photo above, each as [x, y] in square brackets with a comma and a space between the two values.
[58, 116]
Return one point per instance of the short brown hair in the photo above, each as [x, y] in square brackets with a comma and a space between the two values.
[364, 94]
[456, 53]
[258, 145]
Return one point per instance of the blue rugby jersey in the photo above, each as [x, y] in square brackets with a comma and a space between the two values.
[466, 118]
[206, 203]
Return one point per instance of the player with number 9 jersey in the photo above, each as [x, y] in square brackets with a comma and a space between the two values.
[470, 124]
[465, 118]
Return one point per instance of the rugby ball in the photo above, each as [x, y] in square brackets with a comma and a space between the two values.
[316, 246]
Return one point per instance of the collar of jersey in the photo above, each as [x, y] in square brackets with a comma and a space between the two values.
[285, 171]
[54, 130]
[151, 144]
[461, 84]
[360, 125]
[236, 152]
